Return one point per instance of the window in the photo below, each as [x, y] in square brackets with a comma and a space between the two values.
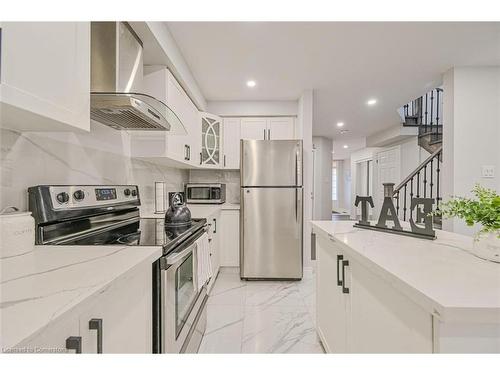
[334, 181]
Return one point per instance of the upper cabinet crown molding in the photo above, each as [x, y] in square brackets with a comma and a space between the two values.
[45, 76]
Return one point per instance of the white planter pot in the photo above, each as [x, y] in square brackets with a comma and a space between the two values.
[487, 247]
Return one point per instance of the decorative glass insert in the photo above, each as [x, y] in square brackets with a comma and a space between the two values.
[210, 144]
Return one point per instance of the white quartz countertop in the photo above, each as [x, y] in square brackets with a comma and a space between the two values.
[200, 210]
[440, 275]
[39, 287]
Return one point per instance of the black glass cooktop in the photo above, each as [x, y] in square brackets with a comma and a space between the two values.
[144, 232]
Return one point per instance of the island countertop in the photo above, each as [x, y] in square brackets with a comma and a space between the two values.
[39, 287]
[440, 275]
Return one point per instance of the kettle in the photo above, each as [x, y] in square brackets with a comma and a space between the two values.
[178, 213]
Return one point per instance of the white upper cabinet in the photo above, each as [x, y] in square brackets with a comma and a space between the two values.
[268, 128]
[45, 76]
[211, 138]
[232, 136]
[281, 128]
[253, 128]
[184, 149]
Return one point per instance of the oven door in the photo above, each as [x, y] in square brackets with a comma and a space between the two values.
[182, 304]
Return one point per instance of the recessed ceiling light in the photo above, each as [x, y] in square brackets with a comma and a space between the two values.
[340, 124]
[345, 146]
[372, 102]
[251, 83]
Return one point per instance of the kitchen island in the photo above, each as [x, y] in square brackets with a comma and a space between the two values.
[51, 294]
[381, 292]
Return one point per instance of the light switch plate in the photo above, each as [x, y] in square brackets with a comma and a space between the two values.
[488, 171]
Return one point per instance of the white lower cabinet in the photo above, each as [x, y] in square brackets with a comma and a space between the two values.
[359, 312]
[230, 238]
[118, 320]
[215, 245]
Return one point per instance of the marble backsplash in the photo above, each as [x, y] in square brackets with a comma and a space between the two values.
[99, 157]
[230, 178]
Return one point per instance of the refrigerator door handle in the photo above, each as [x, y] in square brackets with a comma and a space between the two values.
[296, 168]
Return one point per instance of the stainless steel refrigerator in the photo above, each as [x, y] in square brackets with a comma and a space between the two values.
[271, 209]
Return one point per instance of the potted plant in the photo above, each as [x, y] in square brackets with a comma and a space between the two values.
[484, 210]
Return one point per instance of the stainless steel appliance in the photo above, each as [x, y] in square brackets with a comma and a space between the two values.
[205, 193]
[271, 209]
[109, 215]
[116, 78]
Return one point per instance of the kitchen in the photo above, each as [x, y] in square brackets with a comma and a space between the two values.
[138, 218]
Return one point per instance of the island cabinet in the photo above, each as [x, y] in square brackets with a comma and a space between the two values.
[45, 76]
[117, 320]
[358, 312]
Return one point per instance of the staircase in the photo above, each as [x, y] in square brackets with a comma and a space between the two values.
[424, 182]
[426, 114]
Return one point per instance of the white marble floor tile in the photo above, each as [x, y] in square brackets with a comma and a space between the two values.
[224, 329]
[278, 329]
[261, 316]
[273, 294]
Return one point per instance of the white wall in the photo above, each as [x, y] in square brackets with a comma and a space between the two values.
[253, 108]
[471, 133]
[304, 127]
[343, 202]
[322, 209]
[99, 157]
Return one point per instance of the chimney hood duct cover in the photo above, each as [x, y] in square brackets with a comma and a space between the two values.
[116, 83]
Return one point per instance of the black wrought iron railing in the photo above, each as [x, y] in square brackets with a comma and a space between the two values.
[423, 182]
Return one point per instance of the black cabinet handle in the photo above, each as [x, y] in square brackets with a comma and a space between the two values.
[269, 134]
[345, 263]
[339, 258]
[189, 152]
[264, 134]
[96, 324]
[200, 159]
[215, 226]
[74, 343]
[224, 160]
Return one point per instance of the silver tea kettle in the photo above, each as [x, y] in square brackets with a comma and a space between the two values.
[178, 213]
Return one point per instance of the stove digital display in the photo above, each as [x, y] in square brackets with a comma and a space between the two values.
[105, 194]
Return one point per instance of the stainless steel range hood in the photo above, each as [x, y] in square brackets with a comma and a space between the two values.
[116, 97]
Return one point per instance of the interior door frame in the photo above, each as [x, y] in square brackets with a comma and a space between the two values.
[376, 198]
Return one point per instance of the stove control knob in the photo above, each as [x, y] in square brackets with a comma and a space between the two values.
[126, 192]
[79, 195]
[134, 193]
[62, 197]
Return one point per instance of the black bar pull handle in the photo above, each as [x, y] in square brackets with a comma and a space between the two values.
[74, 343]
[339, 258]
[345, 263]
[96, 324]
[215, 226]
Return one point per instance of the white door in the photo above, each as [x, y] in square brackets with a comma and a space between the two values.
[383, 320]
[387, 169]
[281, 128]
[230, 238]
[125, 313]
[45, 72]
[331, 316]
[231, 144]
[254, 128]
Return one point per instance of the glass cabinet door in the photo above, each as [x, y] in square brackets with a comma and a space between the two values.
[211, 128]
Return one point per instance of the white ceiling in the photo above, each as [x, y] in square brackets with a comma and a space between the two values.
[344, 63]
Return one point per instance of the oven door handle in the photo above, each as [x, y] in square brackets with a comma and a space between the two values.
[177, 256]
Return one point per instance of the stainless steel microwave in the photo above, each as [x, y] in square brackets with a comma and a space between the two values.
[205, 193]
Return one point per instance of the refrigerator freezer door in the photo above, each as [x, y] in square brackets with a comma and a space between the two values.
[271, 163]
[271, 235]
